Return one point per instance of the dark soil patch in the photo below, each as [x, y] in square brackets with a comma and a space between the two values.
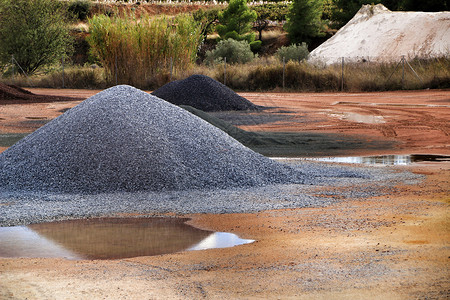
[11, 94]
[9, 139]
[294, 144]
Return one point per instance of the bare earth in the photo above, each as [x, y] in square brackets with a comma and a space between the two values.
[391, 247]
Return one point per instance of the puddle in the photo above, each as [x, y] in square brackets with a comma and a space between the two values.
[110, 238]
[9, 139]
[359, 118]
[382, 159]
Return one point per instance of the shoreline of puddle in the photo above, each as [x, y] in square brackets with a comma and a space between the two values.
[385, 160]
[110, 238]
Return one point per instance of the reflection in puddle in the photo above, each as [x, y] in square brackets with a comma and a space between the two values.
[359, 118]
[110, 238]
[382, 159]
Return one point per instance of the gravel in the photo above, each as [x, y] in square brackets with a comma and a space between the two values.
[125, 151]
[204, 93]
[22, 208]
[123, 139]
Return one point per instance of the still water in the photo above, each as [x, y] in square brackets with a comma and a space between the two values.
[110, 238]
[382, 159]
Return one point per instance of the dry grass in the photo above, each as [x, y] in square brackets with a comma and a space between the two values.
[266, 74]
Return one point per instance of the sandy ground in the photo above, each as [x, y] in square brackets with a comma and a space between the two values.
[390, 247]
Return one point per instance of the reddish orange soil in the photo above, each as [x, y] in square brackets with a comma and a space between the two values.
[390, 247]
[417, 120]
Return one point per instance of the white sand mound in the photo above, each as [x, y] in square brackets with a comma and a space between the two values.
[377, 34]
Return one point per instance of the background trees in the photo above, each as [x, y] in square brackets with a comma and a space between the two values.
[34, 31]
[236, 21]
[266, 13]
[304, 20]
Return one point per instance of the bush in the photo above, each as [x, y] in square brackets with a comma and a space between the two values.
[293, 52]
[34, 31]
[80, 9]
[234, 52]
[255, 46]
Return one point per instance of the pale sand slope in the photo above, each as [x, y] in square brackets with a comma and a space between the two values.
[376, 33]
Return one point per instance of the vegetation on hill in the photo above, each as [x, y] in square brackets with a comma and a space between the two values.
[147, 45]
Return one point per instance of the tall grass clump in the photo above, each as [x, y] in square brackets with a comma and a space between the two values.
[298, 76]
[375, 76]
[143, 51]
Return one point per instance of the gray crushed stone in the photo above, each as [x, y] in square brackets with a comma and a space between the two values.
[204, 93]
[22, 208]
[125, 151]
[123, 139]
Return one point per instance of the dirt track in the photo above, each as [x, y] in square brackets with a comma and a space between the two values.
[417, 120]
[395, 246]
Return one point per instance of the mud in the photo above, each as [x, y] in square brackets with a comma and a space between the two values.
[390, 246]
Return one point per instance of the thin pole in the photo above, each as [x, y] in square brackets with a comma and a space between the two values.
[12, 62]
[342, 75]
[62, 64]
[225, 71]
[396, 67]
[403, 71]
[414, 71]
[171, 68]
[284, 72]
[115, 68]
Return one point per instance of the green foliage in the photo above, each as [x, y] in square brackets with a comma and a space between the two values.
[344, 10]
[34, 31]
[429, 5]
[304, 20]
[234, 52]
[255, 46]
[80, 9]
[341, 11]
[268, 12]
[237, 17]
[134, 50]
[293, 52]
[206, 18]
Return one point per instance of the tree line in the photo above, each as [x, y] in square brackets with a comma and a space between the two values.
[36, 33]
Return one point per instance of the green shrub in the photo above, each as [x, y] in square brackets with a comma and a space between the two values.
[80, 9]
[234, 52]
[34, 31]
[293, 52]
[255, 46]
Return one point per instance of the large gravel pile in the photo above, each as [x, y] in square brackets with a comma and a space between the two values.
[204, 93]
[123, 139]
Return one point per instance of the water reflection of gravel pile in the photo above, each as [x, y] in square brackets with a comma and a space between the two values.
[204, 93]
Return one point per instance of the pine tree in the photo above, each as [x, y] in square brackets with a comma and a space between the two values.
[304, 20]
[236, 21]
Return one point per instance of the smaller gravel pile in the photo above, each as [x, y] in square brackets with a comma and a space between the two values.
[204, 93]
[123, 139]
[15, 94]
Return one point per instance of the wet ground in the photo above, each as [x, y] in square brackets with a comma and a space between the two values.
[392, 246]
